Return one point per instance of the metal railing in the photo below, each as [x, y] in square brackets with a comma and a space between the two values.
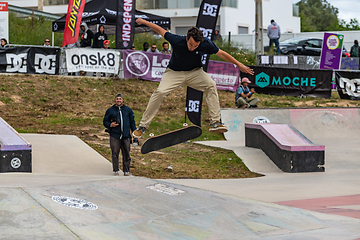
[30, 12]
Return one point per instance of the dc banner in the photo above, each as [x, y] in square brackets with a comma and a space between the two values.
[206, 22]
[290, 82]
[151, 66]
[73, 21]
[125, 24]
[92, 60]
[348, 84]
[33, 60]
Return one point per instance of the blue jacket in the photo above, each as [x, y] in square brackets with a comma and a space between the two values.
[123, 115]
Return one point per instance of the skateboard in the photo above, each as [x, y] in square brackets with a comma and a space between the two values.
[170, 139]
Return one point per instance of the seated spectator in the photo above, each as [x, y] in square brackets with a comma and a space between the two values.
[166, 48]
[47, 43]
[153, 49]
[132, 47]
[243, 95]
[3, 43]
[145, 46]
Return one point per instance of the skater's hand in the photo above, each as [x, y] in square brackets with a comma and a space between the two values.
[246, 69]
[140, 21]
[114, 124]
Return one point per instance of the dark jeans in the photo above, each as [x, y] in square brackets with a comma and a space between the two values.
[276, 41]
[115, 145]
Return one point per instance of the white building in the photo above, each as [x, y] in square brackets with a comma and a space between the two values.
[236, 16]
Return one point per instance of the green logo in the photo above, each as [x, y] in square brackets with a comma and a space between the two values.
[262, 80]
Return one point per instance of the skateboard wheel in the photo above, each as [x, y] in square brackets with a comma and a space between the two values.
[151, 135]
[185, 125]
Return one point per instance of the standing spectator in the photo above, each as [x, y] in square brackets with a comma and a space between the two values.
[153, 49]
[354, 51]
[216, 36]
[243, 95]
[274, 33]
[86, 35]
[99, 37]
[166, 48]
[47, 43]
[145, 46]
[3, 43]
[119, 120]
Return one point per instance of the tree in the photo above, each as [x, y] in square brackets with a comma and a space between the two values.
[318, 15]
[351, 26]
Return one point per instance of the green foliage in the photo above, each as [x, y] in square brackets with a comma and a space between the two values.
[321, 14]
[31, 31]
[351, 26]
[240, 53]
[306, 24]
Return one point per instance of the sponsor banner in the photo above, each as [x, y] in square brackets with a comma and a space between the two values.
[206, 22]
[331, 51]
[125, 24]
[4, 20]
[92, 60]
[33, 60]
[226, 75]
[348, 84]
[291, 82]
[151, 66]
[73, 21]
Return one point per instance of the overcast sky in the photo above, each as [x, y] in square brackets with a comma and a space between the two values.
[347, 8]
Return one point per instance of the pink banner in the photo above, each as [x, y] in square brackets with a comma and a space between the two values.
[151, 66]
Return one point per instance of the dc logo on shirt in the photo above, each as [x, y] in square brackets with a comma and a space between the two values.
[194, 106]
[45, 63]
[210, 10]
[206, 32]
[16, 62]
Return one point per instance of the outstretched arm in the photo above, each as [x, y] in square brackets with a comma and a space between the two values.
[227, 57]
[153, 26]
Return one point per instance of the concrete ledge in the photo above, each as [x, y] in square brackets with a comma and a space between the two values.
[286, 147]
[15, 151]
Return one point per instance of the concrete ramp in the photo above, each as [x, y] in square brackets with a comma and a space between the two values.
[314, 123]
[65, 154]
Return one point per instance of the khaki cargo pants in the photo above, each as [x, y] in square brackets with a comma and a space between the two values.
[197, 79]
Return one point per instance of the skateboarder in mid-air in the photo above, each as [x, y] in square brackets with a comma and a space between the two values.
[185, 68]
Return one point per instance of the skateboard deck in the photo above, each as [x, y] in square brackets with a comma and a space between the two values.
[170, 139]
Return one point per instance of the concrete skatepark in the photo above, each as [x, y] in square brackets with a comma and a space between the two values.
[71, 193]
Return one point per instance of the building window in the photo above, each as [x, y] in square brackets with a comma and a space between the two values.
[173, 4]
[243, 30]
[181, 30]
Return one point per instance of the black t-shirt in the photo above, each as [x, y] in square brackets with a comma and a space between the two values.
[182, 59]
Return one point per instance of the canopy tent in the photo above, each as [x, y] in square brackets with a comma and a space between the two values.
[104, 12]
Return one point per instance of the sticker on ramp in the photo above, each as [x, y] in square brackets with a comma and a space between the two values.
[261, 120]
[74, 202]
[165, 189]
